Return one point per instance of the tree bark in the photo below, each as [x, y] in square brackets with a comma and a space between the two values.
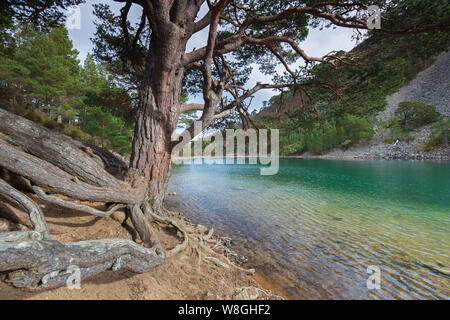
[55, 164]
[157, 116]
[32, 260]
[37, 264]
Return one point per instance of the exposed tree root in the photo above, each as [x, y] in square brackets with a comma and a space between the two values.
[36, 216]
[63, 152]
[209, 235]
[8, 225]
[79, 207]
[217, 262]
[197, 241]
[48, 176]
[18, 217]
[38, 160]
[229, 263]
[180, 247]
[44, 161]
[35, 263]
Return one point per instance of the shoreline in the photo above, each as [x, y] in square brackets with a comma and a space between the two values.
[260, 277]
[373, 151]
[330, 156]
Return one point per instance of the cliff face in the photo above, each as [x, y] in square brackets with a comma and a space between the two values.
[372, 91]
[431, 86]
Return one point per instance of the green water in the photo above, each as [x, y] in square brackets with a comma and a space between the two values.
[316, 226]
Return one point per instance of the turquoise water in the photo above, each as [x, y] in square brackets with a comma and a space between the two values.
[315, 227]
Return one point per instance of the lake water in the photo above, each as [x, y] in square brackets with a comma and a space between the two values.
[314, 228]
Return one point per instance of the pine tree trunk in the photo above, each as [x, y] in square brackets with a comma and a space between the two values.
[156, 120]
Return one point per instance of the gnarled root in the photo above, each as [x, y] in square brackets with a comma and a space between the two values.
[180, 247]
[35, 263]
[36, 216]
[199, 243]
[15, 217]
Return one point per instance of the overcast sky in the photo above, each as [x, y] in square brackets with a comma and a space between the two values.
[318, 43]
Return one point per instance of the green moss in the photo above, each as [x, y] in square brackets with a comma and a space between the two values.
[440, 135]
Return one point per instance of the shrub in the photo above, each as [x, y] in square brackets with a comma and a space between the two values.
[287, 150]
[34, 116]
[51, 124]
[18, 109]
[396, 130]
[60, 126]
[75, 132]
[415, 114]
[440, 135]
[357, 129]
